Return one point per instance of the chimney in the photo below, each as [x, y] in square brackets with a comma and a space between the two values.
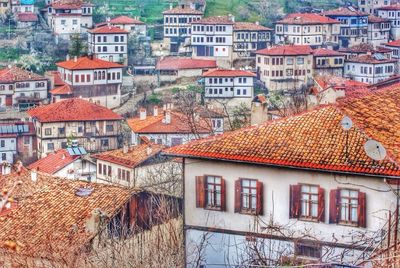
[155, 110]
[75, 58]
[63, 156]
[67, 57]
[125, 149]
[142, 114]
[231, 18]
[164, 107]
[167, 119]
[149, 150]
[170, 6]
[182, 6]
[93, 223]
[34, 175]
[257, 23]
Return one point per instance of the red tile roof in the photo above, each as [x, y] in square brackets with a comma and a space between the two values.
[364, 48]
[352, 88]
[344, 11]
[107, 30]
[15, 74]
[87, 63]
[307, 18]
[391, 7]
[62, 90]
[65, 4]
[228, 73]
[286, 50]
[27, 17]
[57, 78]
[375, 19]
[224, 20]
[135, 156]
[155, 124]
[179, 63]
[249, 26]
[54, 162]
[370, 59]
[182, 11]
[321, 52]
[395, 43]
[314, 140]
[72, 110]
[125, 20]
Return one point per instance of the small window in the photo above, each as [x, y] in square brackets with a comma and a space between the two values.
[3, 157]
[309, 201]
[213, 189]
[61, 131]
[348, 206]
[2, 143]
[27, 140]
[50, 146]
[109, 128]
[104, 143]
[308, 250]
[47, 131]
[249, 195]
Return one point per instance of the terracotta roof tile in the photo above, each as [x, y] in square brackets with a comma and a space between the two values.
[307, 18]
[395, 43]
[62, 90]
[315, 139]
[133, 158]
[184, 11]
[179, 63]
[320, 52]
[249, 26]
[125, 20]
[86, 63]
[54, 162]
[107, 30]
[286, 50]
[375, 19]
[72, 110]
[27, 17]
[343, 11]
[224, 20]
[228, 73]
[370, 59]
[391, 7]
[15, 74]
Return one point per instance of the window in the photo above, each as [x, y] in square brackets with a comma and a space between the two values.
[307, 250]
[2, 143]
[104, 170]
[104, 143]
[47, 131]
[309, 201]
[61, 131]
[27, 140]
[109, 128]
[210, 192]
[249, 192]
[80, 129]
[347, 206]
[3, 157]
[213, 189]
[300, 61]
[248, 196]
[50, 146]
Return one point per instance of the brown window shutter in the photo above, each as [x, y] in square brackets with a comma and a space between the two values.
[334, 206]
[362, 212]
[223, 195]
[294, 209]
[238, 196]
[200, 192]
[259, 206]
[321, 204]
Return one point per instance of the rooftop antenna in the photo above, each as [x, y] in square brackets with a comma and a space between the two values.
[375, 150]
[346, 124]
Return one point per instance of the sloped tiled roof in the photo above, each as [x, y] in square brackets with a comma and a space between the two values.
[344, 11]
[134, 157]
[320, 52]
[228, 73]
[375, 19]
[15, 74]
[62, 90]
[179, 10]
[249, 26]
[315, 140]
[72, 110]
[395, 43]
[125, 20]
[307, 18]
[391, 7]
[179, 63]
[286, 50]
[27, 17]
[370, 59]
[107, 30]
[87, 63]
[54, 162]
[224, 20]
[352, 88]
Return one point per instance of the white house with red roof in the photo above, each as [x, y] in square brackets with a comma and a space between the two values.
[299, 191]
[327, 61]
[109, 43]
[69, 17]
[391, 13]
[89, 78]
[131, 25]
[285, 67]
[94, 127]
[395, 47]
[308, 29]
[378, 30]
[21, 88]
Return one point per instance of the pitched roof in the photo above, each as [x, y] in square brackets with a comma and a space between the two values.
[225, 20]
[344, 11]
[179, 63]
[364, 48]
[286, 50]
[155, 124]
[125, 20]
[395, 43]
[375, 19]
[320, 52]
[182, 10]
[72, 110]
[227, 73]
[66, 4]
[307, 18]
[15, 74]
[54, 162]
[135, 156]
[62, 90]
[352, 88]
[87, 63]
[249, 26]
[57, 78]
[108, 30]
[50, 221]
[314, 140]
[370, 59]
[391, 7]
[27, 17]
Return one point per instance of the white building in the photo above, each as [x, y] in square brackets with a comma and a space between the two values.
[370, 69]
[133, 26]
[293, 190]
[395, 47]
[371, 6]
[327, 61]
[177, 25]
[212, 38]
[378, 30]
[66, 18]
[90, 78]
[392, 13]
[21, 88]
[109, 43]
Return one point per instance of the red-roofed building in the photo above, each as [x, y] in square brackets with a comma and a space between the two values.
[307, 29]
[371, 7]
[364, 49]
[27, 20]
[327, 61]
[96, 128]
[109, 43]
[133, 26]
[172, 68]
[394, 46]
[308, 175]
[88, 78]
[66, 164]
[391, 13]
[285, 67]
[378, 30]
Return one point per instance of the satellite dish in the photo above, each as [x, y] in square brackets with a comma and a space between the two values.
[346, 123]
[375, 150]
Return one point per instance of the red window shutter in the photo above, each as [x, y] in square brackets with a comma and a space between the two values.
[334, 206]
[294, 209]
[321, 204]
[223, 195]
[362, 212]
[238, 196]
[200, 192]
[259, 206]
